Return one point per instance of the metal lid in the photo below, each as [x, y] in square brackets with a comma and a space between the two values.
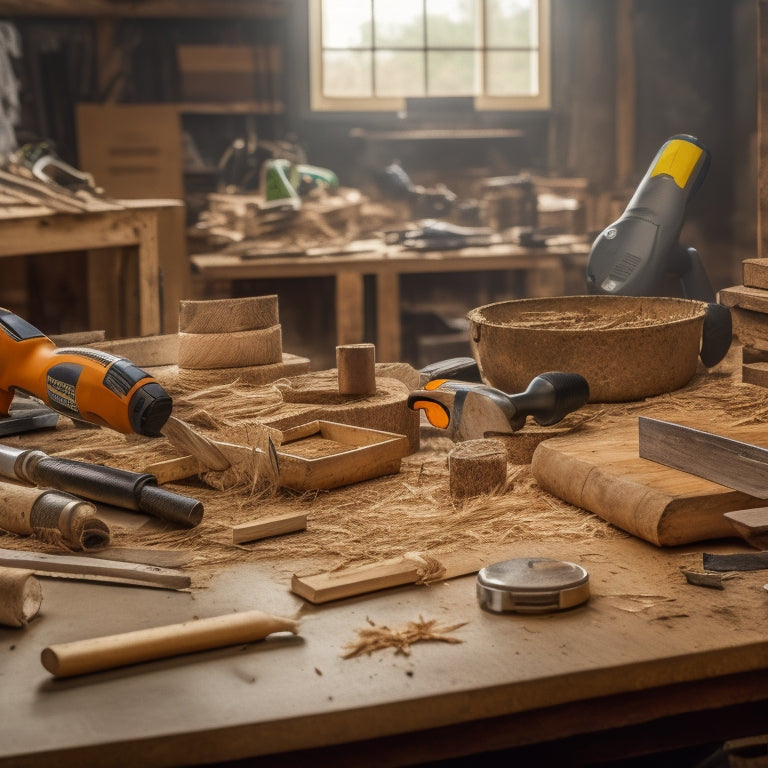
[532, 585]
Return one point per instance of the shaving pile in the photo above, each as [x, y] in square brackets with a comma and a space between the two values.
[379, 638]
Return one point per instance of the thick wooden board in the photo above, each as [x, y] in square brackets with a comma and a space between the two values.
[600, 470]
[755, 299]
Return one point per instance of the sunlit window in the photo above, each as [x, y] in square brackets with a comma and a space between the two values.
[374, 54]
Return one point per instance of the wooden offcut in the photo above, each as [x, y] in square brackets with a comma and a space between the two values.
[20, 596]
[477, 467]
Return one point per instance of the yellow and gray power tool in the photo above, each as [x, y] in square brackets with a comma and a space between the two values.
[637, 253]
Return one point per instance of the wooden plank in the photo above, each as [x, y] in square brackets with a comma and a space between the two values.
[732, 463]
[275, 525]
[75, 567]
[750, 328]
[744, 297]
[144, 351]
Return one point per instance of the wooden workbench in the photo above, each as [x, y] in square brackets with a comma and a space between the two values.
[544, 270]
[650, 662]
[137, 262]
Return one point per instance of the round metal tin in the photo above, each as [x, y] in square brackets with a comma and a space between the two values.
[532, 585]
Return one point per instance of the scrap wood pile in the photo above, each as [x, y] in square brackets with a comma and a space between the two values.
[34, 181]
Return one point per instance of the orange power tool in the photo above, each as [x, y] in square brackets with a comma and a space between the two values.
[84, 384]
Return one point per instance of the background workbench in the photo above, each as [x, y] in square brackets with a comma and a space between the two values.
[136, 260]
[546, 271]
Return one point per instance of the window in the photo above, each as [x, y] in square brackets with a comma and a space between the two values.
[374, 54]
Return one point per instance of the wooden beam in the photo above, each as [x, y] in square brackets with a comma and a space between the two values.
[256, 9]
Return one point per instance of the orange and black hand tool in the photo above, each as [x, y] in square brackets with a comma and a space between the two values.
[85, 384]
[469, 411]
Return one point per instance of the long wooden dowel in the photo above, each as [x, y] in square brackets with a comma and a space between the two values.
[110, 651]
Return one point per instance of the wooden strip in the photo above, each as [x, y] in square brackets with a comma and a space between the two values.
[732, 463]
[74, 567]
[746, 561]
[269, 526]
[144, 351]
[413, 568]
[171, 470]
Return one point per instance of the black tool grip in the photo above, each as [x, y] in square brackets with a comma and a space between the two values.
[117, 487]
[551, 396]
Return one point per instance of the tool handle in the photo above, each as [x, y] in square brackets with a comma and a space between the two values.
[461, 368]
[551, 396]
[117, 487]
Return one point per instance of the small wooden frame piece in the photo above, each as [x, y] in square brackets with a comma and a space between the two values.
[269, 526]
[321, 455]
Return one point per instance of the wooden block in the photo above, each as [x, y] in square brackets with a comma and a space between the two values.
[228, 315]
[20, 596]
[477, 467]
[269, 526]
[240, 349]
[356, 365]
[752, 355]
[755, 273]
[750, 328]
[755, 373]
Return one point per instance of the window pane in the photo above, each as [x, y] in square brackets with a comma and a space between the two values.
[346, 24]
[399, 24]
[511, 23]
[347, 74]
[451, 73]
[512, 73]
[451, 23]
[399, 73]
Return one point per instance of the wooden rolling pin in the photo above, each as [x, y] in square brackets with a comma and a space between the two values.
[99, 653]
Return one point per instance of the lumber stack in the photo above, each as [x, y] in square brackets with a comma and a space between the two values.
[749, 310]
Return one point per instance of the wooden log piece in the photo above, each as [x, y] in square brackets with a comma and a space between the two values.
[356, 365]
[238, 349]
[20, 596]
[228, 315]
[99, 653]
[476, 467]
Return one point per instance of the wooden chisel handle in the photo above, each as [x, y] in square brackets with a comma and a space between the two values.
[99, 653]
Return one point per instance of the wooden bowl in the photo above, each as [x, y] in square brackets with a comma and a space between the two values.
[626, 347]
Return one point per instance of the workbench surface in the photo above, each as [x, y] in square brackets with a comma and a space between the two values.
[646, 649]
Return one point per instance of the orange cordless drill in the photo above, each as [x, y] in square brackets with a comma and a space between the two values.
[84, 384]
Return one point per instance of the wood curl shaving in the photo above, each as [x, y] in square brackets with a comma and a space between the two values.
[379, 638]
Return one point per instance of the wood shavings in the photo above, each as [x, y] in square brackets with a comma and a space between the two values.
[379, 638]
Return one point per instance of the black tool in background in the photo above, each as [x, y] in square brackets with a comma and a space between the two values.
[635, 255]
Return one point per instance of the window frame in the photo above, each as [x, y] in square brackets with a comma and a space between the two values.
[482, 103]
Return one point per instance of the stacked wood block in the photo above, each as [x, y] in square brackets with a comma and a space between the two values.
[238, 336]
[749, 309]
